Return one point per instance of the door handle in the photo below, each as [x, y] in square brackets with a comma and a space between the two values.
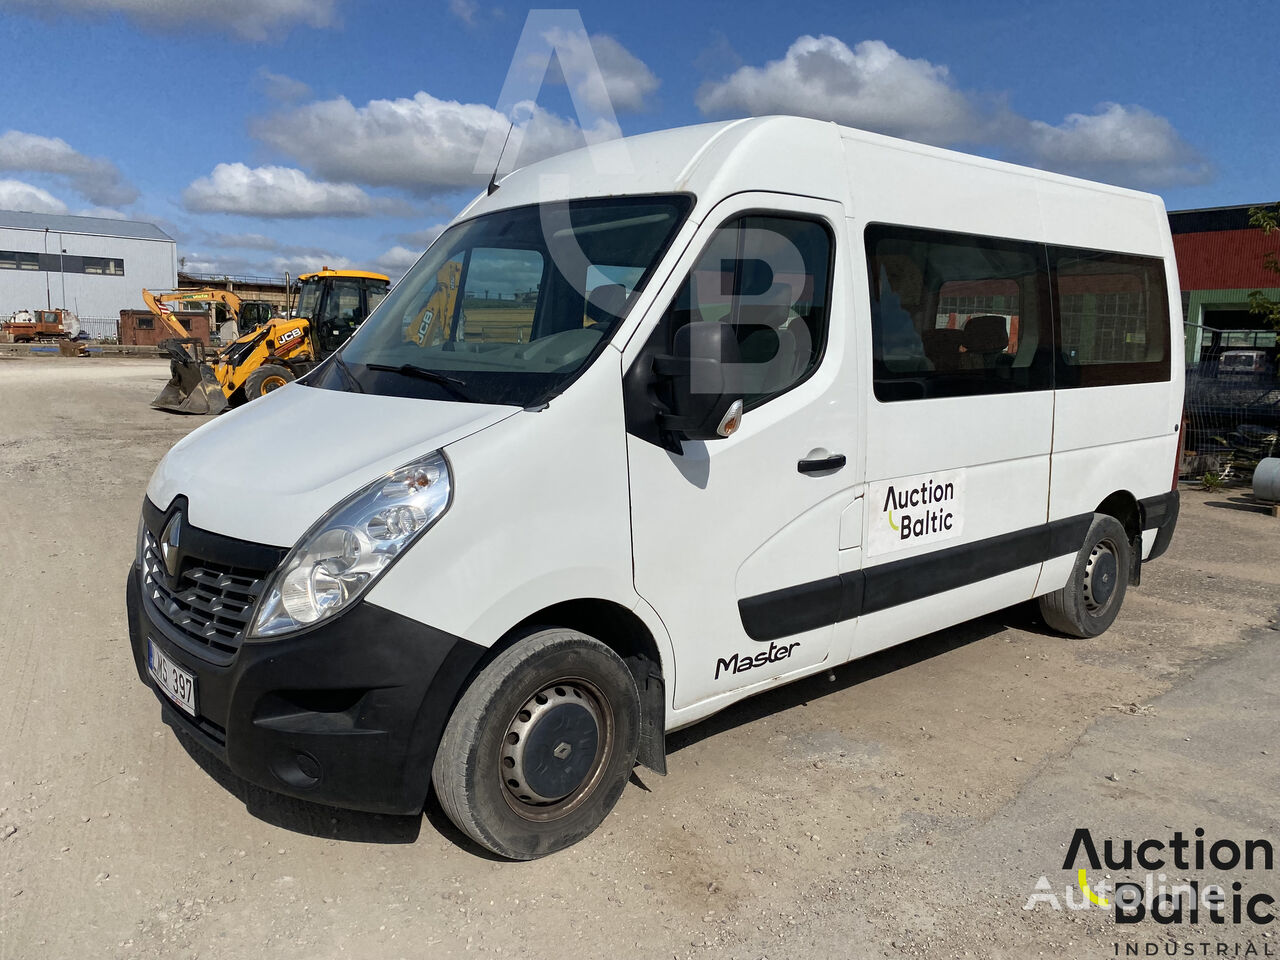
[833, 462]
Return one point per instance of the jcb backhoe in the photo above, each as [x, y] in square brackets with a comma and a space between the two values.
[331, 304]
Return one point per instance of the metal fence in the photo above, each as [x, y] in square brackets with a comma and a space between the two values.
[101, 329]
[1232, 407]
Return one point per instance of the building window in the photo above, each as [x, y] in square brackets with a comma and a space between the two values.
[104, 265]
[61, 263]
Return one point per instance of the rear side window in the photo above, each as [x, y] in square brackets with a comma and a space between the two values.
[956, 315]
[1113, 318]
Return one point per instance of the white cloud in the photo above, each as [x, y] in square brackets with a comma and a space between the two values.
[99, 180]
[250, 19]
[396, 261]
[622, 81]
[871, 86]
[103, 213]
[1118, 144]
[243, 241]
[279, 192]
[421, 144]
[200, 261]
[464, 10]
[874, 87]
[282, 88]
[16, 195]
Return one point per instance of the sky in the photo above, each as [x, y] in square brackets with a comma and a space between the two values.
[269, 136]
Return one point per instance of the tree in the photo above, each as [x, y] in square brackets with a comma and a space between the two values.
[1268, 221]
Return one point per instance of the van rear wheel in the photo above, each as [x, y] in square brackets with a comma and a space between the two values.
[1091, 599]
[540, 746]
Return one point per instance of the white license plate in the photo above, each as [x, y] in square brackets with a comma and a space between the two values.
[178, 685]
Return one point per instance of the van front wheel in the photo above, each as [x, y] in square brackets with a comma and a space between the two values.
[540, 746]
[1091, 600]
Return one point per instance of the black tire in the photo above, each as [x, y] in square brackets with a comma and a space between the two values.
[1091, 599]
[558, 711]
[268, 377]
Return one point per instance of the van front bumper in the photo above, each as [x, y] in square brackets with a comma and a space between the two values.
[348, 713]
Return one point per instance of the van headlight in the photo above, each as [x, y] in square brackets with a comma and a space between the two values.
[351, 545]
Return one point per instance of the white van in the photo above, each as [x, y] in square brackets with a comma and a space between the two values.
[623, 449]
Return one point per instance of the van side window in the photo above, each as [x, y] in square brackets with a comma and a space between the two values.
[1113, 318]
[956, 315]
[501, 294]
[769, 276]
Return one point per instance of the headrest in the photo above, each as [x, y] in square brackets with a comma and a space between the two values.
[986, 334]
[606, 302]
[768, 310]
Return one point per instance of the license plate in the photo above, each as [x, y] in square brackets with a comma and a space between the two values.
[178, 685]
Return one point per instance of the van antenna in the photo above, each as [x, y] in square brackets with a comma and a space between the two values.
[493, 180]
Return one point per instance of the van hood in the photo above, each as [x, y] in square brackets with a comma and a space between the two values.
[265, 472]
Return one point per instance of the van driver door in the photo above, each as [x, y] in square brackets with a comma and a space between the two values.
[735, 540]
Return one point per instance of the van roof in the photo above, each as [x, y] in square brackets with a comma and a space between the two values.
[781, 154]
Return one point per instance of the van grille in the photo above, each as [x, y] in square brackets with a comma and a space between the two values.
[208, 603]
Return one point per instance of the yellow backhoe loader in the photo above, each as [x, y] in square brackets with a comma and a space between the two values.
[331, 304]
[192, 388]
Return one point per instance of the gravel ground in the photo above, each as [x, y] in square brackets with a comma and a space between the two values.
[905, 809]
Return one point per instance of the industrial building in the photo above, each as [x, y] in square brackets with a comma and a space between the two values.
[91, 266]
[1221, 259]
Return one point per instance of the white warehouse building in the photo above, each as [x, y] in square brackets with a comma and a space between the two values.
[91, 266]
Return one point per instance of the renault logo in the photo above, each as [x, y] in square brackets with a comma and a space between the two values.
[169, 542]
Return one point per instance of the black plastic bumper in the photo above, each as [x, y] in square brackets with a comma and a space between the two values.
[348, 713]
[1162, 513]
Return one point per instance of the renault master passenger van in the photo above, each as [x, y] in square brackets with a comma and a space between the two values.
[624, 448]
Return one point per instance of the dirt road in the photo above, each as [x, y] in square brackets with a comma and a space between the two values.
[905, 809]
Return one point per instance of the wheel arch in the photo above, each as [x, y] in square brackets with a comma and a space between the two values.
[626, 634]
[1124, 507]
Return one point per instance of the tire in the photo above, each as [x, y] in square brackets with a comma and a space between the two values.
[540, 746]
[268, 377]
[1091, 599]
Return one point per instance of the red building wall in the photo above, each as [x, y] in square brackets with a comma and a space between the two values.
[1225, 259]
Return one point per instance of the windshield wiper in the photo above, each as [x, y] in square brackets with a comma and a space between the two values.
[452, 384]
[346, 372]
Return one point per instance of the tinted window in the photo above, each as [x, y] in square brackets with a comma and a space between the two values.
[1113, 318]
[770, 278]
[956, 315]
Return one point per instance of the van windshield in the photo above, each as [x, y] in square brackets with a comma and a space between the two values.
[510, 307]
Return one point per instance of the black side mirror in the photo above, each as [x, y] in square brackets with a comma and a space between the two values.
[696, 382]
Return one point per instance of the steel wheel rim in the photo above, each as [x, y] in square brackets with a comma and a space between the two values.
[514, 763]
[1101, 576]
[273, 383]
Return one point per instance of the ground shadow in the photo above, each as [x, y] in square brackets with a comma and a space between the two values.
[299, 816]
[1244, 504]
[1022, 617]
[318, 820]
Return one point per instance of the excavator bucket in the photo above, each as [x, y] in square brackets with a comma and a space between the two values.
[192, 387]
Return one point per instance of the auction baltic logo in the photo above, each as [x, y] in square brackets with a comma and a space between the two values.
[1153, 897]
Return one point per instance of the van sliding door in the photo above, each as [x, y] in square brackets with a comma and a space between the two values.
[958, 433]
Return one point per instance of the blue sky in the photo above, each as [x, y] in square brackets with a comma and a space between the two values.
[272, 135]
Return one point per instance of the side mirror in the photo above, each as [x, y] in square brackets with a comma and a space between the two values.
[695, 382]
